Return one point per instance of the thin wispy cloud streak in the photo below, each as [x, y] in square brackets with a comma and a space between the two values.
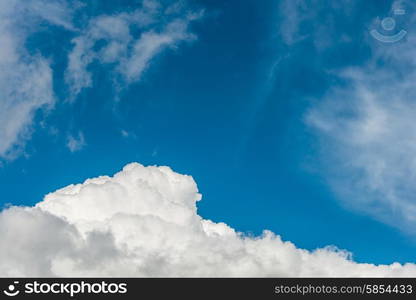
[25, 79]
[26, 76]
[130, 41]
[365, 122]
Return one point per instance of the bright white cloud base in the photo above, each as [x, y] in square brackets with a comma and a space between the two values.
[143, 221]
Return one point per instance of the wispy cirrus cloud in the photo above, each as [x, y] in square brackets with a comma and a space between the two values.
[25, 78]
[315, 20]
[129, 41]
[364, 121]
[76, 142]
[367, 132]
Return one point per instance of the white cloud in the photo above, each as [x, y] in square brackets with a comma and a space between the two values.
[25, 79]
[124, 133]
[293, 13]
[368, 136]
[315, 20]
[76, 143]
[129, 41]
[143, 221]
[128, 134]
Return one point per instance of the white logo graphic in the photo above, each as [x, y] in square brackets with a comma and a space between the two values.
[388, 24]
[11, 291]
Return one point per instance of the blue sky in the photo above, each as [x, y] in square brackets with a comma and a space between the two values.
[231, 104]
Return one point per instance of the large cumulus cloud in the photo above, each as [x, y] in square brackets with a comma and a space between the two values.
[143, 221]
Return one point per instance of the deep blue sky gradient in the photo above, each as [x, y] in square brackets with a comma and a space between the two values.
[227, 109]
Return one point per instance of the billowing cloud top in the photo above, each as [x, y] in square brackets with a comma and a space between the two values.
[143, 221]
